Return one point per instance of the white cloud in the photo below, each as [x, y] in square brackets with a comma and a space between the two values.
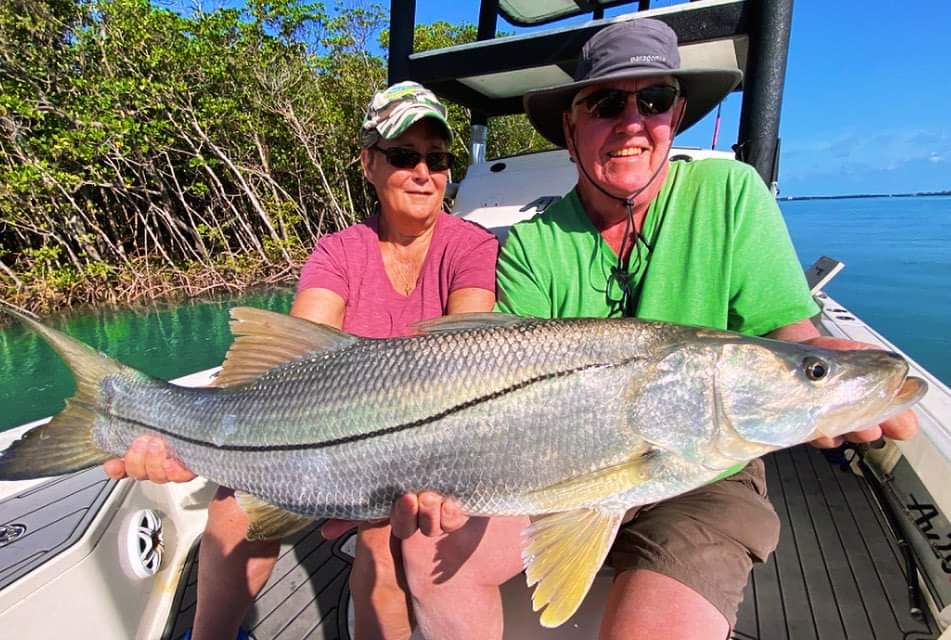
[849, 161]
[849, 152]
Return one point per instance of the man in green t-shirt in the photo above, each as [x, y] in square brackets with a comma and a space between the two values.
[699, 243]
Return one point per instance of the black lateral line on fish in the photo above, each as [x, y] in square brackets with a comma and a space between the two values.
[387, 430]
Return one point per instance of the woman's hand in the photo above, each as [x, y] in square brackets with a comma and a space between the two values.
[148, 459]
[901, 427]
[428, 512]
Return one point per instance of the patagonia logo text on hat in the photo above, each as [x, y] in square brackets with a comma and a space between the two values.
[648, 59]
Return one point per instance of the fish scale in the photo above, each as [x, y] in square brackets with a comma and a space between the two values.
[573, 420]
[332, 396]
[468, 455]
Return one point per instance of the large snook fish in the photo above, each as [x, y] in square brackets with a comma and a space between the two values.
[577, 419]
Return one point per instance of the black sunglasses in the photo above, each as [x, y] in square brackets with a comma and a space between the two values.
[651, 101]
[403, 158]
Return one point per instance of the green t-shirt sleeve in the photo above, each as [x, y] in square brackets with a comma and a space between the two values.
[768, 288]
[518, 279]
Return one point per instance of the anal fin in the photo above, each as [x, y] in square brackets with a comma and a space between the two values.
[268, 522]
[562, 554]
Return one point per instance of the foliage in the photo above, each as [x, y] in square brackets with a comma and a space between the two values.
[145, 153]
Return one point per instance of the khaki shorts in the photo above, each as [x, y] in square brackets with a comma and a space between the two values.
[707, 539]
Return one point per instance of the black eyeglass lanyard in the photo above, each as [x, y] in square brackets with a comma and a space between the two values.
[627, 275]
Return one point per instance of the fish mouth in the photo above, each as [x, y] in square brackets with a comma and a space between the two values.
[907, 393]
[911, 391]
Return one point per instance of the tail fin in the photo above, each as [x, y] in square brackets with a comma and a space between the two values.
[64, 444]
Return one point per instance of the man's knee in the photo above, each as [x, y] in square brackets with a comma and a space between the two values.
[647, 604]
[484, 553]
[707, 539]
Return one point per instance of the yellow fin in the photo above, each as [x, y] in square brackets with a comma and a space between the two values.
[593, 487]
[562, 554]
[265, 339]
[267, 522]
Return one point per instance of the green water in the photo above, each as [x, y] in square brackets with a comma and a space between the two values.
[163, 341]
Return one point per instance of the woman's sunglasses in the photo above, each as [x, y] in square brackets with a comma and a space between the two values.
[403, 158]
[611, 103]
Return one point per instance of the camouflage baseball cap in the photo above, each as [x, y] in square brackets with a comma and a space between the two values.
[395, 109]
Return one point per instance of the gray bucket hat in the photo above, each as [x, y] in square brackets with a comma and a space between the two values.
[398, 107]
[631, 49]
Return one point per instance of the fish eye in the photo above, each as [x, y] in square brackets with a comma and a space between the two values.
[815, 368]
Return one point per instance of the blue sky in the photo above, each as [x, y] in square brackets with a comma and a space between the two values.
[867, 99]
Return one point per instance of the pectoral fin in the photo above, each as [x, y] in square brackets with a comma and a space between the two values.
[595, 486]
[267, 522]
[562, 555]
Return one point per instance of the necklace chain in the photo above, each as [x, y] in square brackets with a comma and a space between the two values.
[405, 276]
[402, 273]
[402, 267]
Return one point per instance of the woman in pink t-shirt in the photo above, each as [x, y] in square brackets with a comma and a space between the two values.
[410, 261]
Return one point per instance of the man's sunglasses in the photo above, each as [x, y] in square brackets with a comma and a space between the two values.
[611, 103]
[403, 158]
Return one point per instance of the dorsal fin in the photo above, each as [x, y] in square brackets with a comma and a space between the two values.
[265, 339]
[462, 321]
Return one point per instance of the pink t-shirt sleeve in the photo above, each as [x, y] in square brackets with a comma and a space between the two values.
[476, 257]
[326, 267]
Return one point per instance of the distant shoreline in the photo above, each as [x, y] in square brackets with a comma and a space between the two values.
[867, 195]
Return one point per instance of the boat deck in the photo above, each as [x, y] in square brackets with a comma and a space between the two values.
[838, 572]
